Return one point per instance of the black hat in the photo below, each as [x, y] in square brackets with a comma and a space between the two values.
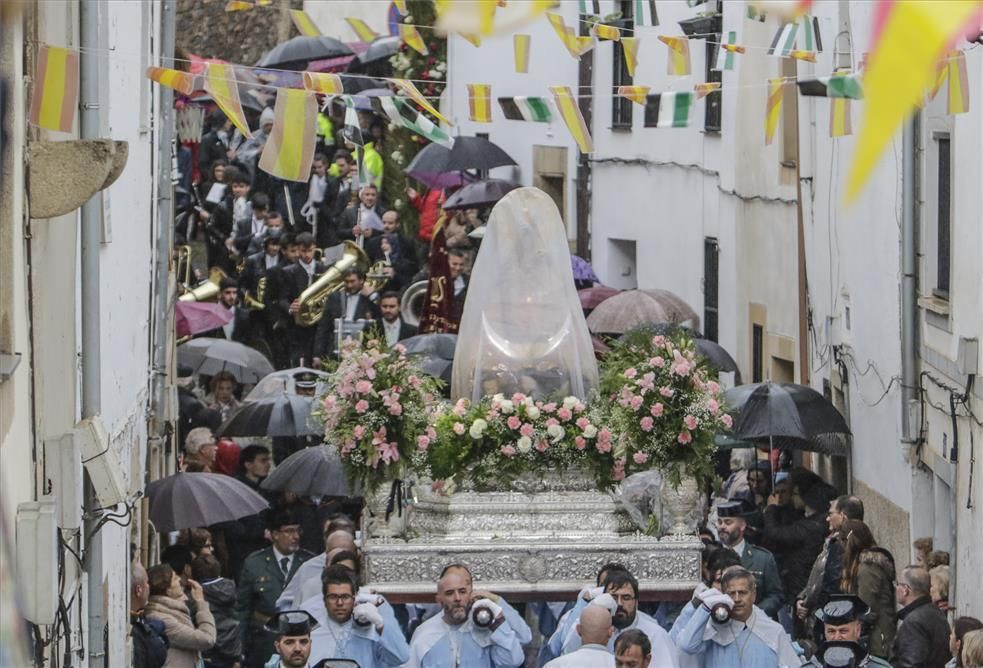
[734, 508]
[305, 380]
[227, 283]
[842, 609]
[841, 654]
[291, 623]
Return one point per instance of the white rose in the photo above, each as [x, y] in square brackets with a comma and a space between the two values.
[477, 429]
[555, 431]
[532, 412]
[507, 406]
[524, 444]
[570, 402]
[590, 431]
[498, 397]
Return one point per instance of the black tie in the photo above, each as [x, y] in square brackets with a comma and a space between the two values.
[285, 566]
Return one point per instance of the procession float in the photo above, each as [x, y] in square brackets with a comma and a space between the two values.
[524, 472]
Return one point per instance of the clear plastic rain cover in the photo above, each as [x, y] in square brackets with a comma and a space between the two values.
[523, 329]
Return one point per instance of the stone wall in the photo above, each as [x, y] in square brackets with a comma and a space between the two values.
[889, 523]
[204, 28]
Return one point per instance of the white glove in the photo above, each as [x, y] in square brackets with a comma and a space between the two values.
[590, 593]
[367, 613]
[714, 599]
[366, 595]
[708, 592]
[606, 601]
[493, 607]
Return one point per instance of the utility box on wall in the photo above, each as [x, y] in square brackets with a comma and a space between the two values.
[37, 560]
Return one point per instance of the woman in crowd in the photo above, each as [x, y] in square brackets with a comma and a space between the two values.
[960, 628]
[187, 639]
[868, 572]
[940, 588]
[222, 395]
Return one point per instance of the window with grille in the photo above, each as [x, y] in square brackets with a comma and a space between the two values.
[711, 283]
[714, 101]
[757, 353]
[621, 108]
[943, 219]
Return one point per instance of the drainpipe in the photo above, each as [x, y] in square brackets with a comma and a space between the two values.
[909, 282]
[91, 223]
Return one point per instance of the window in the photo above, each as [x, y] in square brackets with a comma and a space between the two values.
[757, 353]
[943, 219]
[711, 114]
[621, 108]
[711, 281]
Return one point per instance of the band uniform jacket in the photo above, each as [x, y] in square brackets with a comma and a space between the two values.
[761, 562]
[334, 307]
[292, 281]
[241, 328]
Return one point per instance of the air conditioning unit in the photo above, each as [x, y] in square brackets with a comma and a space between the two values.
[36, 545]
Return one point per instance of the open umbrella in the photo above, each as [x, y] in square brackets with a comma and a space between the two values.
[381, 48]
[279, 382]
[440, 180]
[196, 317]
[479, 194]
[467, 153]
[296, 53]
[591, 297]
[787, 416]
[676, 306]
[582, 271]
[631, 309]
[280, 415]
[314, 471]
[210, 356]
[186, 500]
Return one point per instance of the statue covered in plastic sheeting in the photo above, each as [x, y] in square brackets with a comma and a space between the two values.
[523, 329]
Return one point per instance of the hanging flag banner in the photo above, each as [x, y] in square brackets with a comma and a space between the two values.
[595, 8]
[636, 94]
[630, 45]
[958, 101]
[182, 82]
[413, 39]
[603, 31]
[704, 89]
[401, 113]
[668, 110]
[521, 44]
[411, 91]
[238, 6]
[480, 16]
[479, 103]
[289, 151]
[801, 34]
[773, 108]
[755, 13]
[362, 29]
[401, 7]
[645, 14]
[566, 104]
[535, 109]
[473, 38]
[576, 45]
[325, 83]
[838, 85]
[808, 56]
[725, 54]
[305, 25]
[678, 63]
[56, 90]
[840, 122]
[941, 74]
[352, 131]
[220, 83]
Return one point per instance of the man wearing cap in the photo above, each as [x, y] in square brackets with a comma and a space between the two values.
[264, 574]
[731, 525]
[748, 638]
[842, 619]
[292, 644]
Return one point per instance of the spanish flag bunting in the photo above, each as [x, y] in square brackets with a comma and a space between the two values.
[958, 102]
[909, 38]
[411, 91]
[774, 108]
[401, 7]
[474, 38]
[479, 103]
[704, 89]
[413, 39]
[808, 56]
[220, 83]
[238, 6]
[630, 45]
[521, 45]
[678, 64]
[840, 123]
[289, 150]
[636, 94]
[325, 83]
[305, 25]
[56, 91]
[603, 31]
[574, 120]
[362, 29]
[182, 82]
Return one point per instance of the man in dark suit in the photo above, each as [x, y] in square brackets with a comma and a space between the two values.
[456, 262]
[364, 220]
[391, 324]
[348, 304]
[277, 317]
[259, 264]
[240, 328]
[337, 197]
[294, 280]
[249, 230]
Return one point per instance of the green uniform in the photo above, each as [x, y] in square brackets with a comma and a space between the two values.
[260, 585]
[761, 562]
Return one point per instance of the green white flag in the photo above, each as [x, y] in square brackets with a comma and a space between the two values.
[401, 113]
[535, 109]
[668, 110]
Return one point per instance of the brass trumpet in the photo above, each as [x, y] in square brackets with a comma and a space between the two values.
[208, 290]
[257, 303]
[312, 299]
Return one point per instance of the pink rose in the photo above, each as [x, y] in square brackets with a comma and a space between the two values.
[713, 386]
[396, 409]
[618, 472]
[727, 420]
[603, 446]
[579, 407]
[714, 406]
[491, 415]
[508, 450]
[631, 372]
[580, 442]
[431, 433]
[636, 402]
[564, 414]
[666, 391]
[361, 406]
[681, 368]
[604, 436]
[549, 408]
[646, 423]
[459, 428]
[330, 402]
[656, 409]
[541, 446]
[359, 431]
[640, 457]
[691, 422]
[513, 422]
[422, 442]
[658, 340]
[657, 362]
[526, 430]
[552, 421]
[459, 408]
[684, 437]
[414, 381]
[582, 423]
[518, 398]
[347, 447]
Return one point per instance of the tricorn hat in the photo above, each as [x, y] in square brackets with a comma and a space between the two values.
[842, 609]
[305, 380]
[291, 623]
[735, 508]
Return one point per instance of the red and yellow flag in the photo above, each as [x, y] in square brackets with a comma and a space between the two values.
[305, 24]
[182, 82]
[414, 94]
[574, 120]
[704, 89]
[56, 93]
[479, 103]
[958, 101]
[630, 46]
[636, 94]
[290, 149]
[362, 29]
[413, 39]
[324, 83]
[220, 83]
[774, 108]
[678, 63]
[521, 45]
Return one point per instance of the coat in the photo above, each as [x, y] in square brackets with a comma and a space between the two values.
[221, 596]
[149, 641]
[187, 640]
[875, 587]
[761, 562]
[799, 543]
[923, 637]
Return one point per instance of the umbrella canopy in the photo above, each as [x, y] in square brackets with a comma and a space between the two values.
[582, 271]
[281, 415]
[440, 180]
[789, 416]
[210, 356]
[381, 48]
[196, 317]
[357, 84]
[634, 308]
[186, 500]
[479, 194]
[676, 306]
[314, 471]
[296, 53]
[279, 382]
[591, 297]
[467, 153]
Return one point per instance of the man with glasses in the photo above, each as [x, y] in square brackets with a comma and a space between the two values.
[923, 637]
[264, 575]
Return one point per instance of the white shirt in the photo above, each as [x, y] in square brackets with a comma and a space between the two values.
[259, 227]
[230, 327]
[279, 561]
[319, 184]
[351, 303]
[309, 268]
[392, 331]
[271, 260]
[739, 548]
[592, 656]
[458, 285]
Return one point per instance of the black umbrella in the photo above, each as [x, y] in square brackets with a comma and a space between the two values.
[314, 471]
[187, 500]
[353, 85]
[296, 53]
[284, 414]
[209, 356]
[381, 48]
[480, 194]
[467, 153]
[282, 381]
[787, 416]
